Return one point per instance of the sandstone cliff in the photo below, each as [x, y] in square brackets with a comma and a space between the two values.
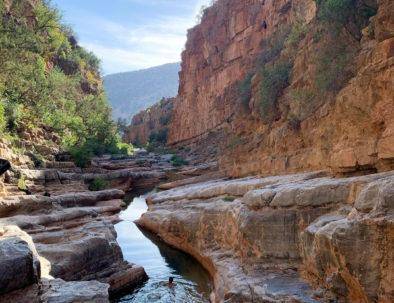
[332, 108]
[151, 124]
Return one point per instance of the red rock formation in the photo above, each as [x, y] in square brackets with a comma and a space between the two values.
[150, 121]
[219, 52]
[347, 131]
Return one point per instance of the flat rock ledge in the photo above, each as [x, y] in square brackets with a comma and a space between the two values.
[63, 248]
[294, 238]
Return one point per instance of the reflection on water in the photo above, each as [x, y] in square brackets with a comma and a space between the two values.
[160, 262]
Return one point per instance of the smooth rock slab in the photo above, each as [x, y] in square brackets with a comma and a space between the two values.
[17, 266]
[59, 291]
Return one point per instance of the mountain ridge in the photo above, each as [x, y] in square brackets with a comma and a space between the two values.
[131, 92]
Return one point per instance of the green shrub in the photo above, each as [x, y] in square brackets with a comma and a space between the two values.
[2, 118]
[335, 10]
[297, 33]
[22, 183]
[81, 155]
[334, 67]
[235, 141]
[275, 78]
[98, 184]
[125, 148]
[337, 20]
[159, 137]
[350, 15]
[178, 161]
[245, 90]
[229, 199]
[273, 46]
[165, 120]
[38, 160]
[302, 95]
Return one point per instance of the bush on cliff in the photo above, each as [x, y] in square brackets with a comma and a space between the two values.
[351, 15]
[178, 161]
[22, 183]
[2, 118]
[159, 137]
[275, 78]
[98, 184]
[339, 30]
[245, 90]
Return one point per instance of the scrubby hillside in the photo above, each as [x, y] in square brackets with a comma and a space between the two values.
[131, 92]
[51, 93]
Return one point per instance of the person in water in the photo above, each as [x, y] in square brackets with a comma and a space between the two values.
[171, 282]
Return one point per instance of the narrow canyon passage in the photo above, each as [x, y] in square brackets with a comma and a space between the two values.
[160, 262]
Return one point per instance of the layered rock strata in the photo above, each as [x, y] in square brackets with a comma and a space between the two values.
[72, 237]
[292, 238]
[348, 132]
[58, 244]
[64, 233]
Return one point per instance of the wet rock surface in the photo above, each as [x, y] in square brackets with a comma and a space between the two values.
[294, 238]
[58, 244]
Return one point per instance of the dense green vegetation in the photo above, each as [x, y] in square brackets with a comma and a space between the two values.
[160, 137]
[47, 80]
[339, 22]
[178, 161]
[228, 198]
[275, 80]
[245, 90]
[98, 184]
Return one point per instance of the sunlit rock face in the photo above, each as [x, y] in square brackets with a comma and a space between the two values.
[349, 131]
[305, 237]
[150, 122]
[219, 52]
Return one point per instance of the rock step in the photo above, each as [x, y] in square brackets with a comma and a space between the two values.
[28, 204]
[58, 217]
[57, 188]
[251, 233]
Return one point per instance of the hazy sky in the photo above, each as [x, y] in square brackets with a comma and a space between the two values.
[131, 34]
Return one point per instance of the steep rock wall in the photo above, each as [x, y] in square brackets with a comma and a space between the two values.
[347, 132]
[219, 52]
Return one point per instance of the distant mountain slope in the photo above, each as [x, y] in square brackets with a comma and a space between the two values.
[131, 92]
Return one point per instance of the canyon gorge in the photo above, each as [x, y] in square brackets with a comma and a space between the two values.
[273, 168]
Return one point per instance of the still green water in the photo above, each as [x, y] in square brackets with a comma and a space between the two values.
[160, 261]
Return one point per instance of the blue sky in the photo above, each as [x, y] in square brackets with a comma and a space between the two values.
[131, 34]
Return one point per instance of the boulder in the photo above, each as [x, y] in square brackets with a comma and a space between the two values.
[17, 263]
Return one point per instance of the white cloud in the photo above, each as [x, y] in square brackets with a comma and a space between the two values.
[118, 59]
[155, 42]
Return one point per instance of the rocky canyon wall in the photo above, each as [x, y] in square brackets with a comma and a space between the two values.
[151, 123]
[219, 53]
[347, 128]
